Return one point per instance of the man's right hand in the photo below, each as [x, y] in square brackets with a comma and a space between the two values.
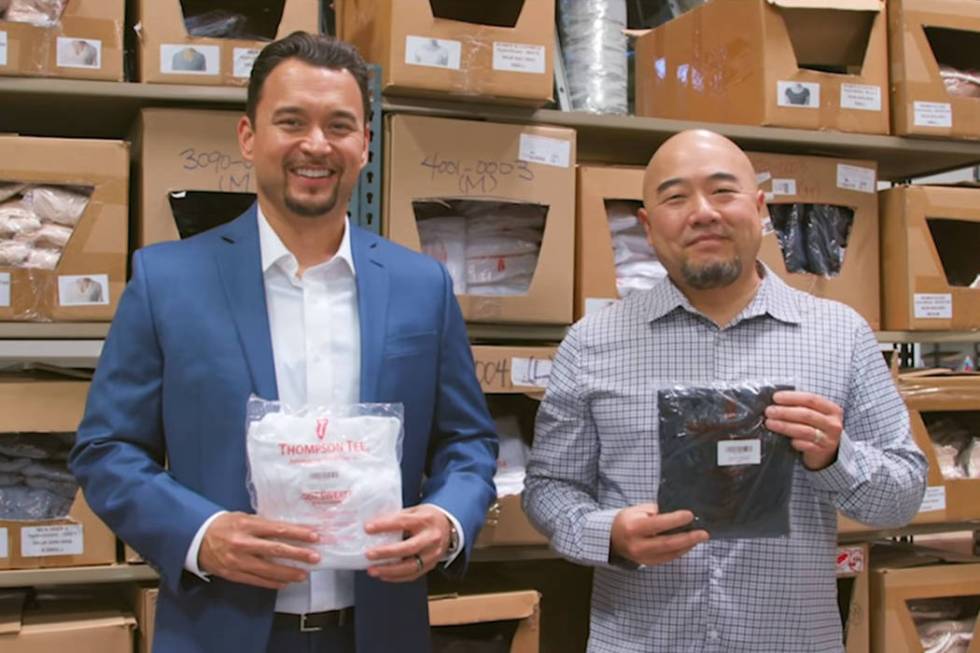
[240, 548]
[636, 534]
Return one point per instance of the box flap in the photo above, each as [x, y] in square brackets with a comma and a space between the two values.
[11, 612]
[479, 608]
[851, 5]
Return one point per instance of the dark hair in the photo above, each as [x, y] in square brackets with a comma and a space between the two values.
[314, 49]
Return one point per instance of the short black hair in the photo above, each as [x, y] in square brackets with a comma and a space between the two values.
[315, 49]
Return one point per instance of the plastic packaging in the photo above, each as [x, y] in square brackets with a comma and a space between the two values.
[594, 47]
[40, 13]
[444, 239]
[35, 483]
[330, 468]
[36, 223]
[718, 460]
[637, 266]
[945, 625]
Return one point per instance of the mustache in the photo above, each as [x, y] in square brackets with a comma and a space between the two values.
[723, 234]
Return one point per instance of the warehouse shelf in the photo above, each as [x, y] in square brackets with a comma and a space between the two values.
[907, 531]
[108, 109]
[54, 330]
[63, 353]
[907, 337]
[76, 575]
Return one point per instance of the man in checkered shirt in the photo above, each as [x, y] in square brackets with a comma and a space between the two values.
[720, 316]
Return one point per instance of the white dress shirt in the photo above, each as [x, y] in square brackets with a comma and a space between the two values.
[316, 348]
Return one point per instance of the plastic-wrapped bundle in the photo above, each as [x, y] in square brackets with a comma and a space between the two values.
[43, 259]
[718, 460]
[961, 83]
[26, 503]
[637, 266]
[812, 237]
[40, 13]
[17, 220]
[502, 248]
[216, 24]
[9, 189]
[594, 48]
[59, 205]
[945, 625]
[444, 239]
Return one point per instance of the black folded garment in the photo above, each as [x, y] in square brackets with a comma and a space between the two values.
[718, 460]
[813, 237]
[486, 637]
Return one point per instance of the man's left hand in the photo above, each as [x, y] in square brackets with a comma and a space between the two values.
[813, 424]
[426, 530]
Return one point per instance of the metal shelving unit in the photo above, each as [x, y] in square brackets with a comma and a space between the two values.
[76, 575]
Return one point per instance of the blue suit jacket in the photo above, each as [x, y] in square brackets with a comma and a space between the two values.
[190, 342]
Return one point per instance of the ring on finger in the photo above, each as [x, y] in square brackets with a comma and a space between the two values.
[818, 436]
[419, 563]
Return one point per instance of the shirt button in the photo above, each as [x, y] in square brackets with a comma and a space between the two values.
[716, 573]
[712, 634]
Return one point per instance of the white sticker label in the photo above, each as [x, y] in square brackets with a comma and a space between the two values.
[767, 228]
[933, 306]
[762, 177]
[783, 187]
[850, 560]
[595, 304]
[518, 57]
[856, 178]
[533, 372]
[83, 290]
[79, 53]
[549, 151]
[435, 53]
[934, 499]
[184, 59]
[860, 96]
[4, 543]
[3, 48]
[4, 289]
[242, 61]
[801, 95]
[59, 540]
[739, 452]
[932, 114]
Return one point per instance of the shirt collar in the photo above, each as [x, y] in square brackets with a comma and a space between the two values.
[275, 252]
[773, 297]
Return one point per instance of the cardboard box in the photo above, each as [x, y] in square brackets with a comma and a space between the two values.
[765, 62]
[435, 160]
[87, 43]
[924, 35]
[787, 179]
[50, 623]
[853, 572]
[481, 608]
[511, 370]
[928, 258]
[501, 51]
[895, 583]
[143, 601]
[185, 150]
[97, 249]
[32, 404]
[167, 54]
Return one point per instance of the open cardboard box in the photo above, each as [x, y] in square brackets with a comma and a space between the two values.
[73, 622]
[925, 35]
[493, 51]
[522, 606]
[187, 150]
[87, 43]
[40, 405]
[94, 258]
[809, 64]
[168, 54]
[143, 601]
[511, 370]
[853, 571]
[436, 163]
[929, 260]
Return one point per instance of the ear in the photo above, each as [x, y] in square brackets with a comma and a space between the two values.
[367, 144]
[644, 217]
[246, 137]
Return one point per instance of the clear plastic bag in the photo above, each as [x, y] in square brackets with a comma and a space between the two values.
[331, 468]
[40, 13]
[718, 460]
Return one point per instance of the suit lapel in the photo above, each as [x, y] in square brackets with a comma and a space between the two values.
[239, 261]
[372, 305]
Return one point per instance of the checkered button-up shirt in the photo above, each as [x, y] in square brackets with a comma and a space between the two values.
[596, 452]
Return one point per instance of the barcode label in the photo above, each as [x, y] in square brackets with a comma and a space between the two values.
[784, 187]
[739, 452]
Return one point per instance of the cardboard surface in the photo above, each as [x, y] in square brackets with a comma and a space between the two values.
[80, 624]
[429, 158]
[820, 180]
[892, 627]
[143, 602]
[185, 149]
[163, 41]
[503, 606]
[853, 562]
[421, 53]
[36, 405]
[99, 243]
[57, 52]
[738, 61]
[916, 291]
[921, 105]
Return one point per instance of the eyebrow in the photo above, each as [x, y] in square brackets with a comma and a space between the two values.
[294, 110]
[717, 176]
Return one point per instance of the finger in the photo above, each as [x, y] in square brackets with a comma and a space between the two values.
[272, 549]
[667, 557]
[398, 572]
[799, 414]
[653, 525]
[670, 544]
[807, 400]
[272, 571]
[803, 432]
[264, 528]
[427, 539]
[402, 521]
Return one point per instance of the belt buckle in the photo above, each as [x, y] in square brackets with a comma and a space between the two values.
[303, 628]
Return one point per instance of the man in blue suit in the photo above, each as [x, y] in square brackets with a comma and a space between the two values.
[289, 302]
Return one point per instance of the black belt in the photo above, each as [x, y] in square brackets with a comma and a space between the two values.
[313, 621]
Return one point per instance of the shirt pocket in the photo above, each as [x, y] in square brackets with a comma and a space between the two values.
[408, 345]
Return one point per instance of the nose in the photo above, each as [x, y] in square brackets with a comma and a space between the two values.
[703, 211]
[316, 141]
